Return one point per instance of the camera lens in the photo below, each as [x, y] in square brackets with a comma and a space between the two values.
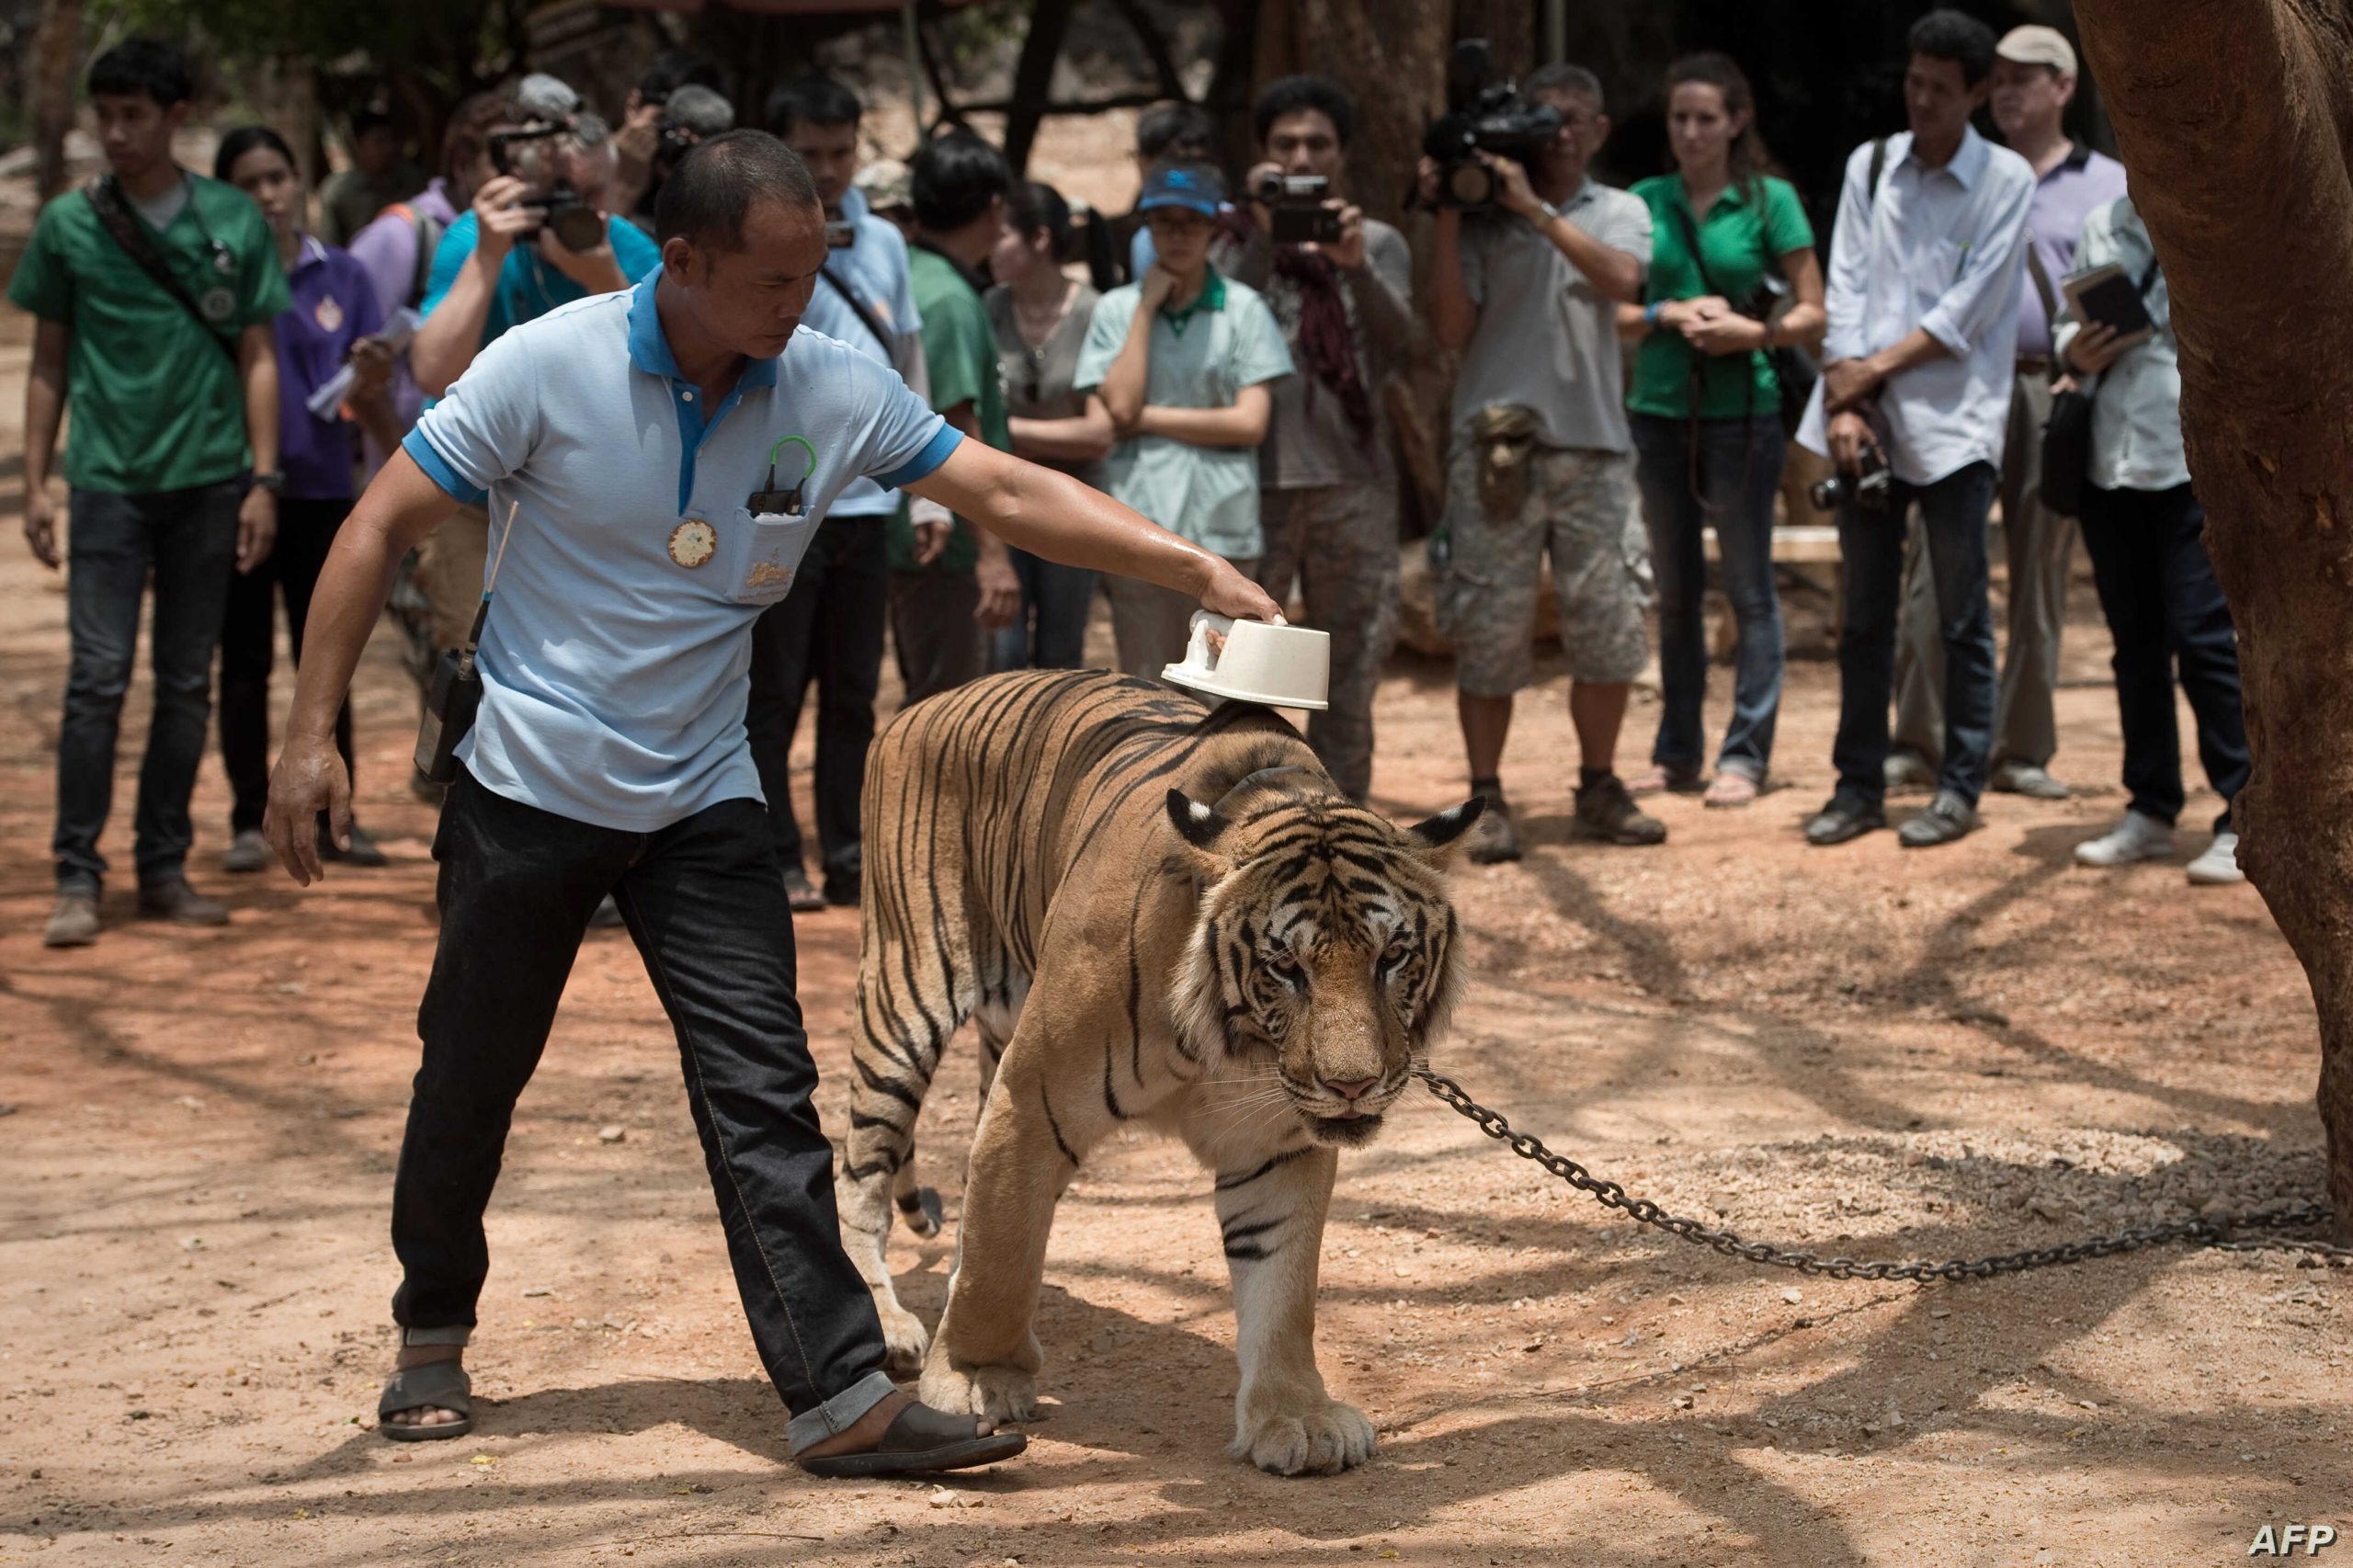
[1470, 185]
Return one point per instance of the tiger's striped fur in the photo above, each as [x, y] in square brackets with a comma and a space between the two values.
[1153, 913]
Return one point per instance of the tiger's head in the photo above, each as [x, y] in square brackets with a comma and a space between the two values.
[1325, 941]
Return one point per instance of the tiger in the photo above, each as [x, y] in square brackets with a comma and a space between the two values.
[1158, 912]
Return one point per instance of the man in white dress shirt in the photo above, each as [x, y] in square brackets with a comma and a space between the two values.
[1925, 278]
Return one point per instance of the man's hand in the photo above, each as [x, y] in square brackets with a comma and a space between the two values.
[372, 364]
[1429, 180]
[640, 132]
[1000, 589]
[1159, 283]
[309, 778]
[1849, 433]
[1514, 194]
[932, 535]
[595, 270]
[1229, 593]
[2094, 350]
[1847, 383]
[40, 525]
[1346, 253]
[256, 528]
[1724, 332]
[502, 217]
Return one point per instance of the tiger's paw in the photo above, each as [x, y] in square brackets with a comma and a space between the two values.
[904, 1336]
[1008, 1393]
[1313, 1435]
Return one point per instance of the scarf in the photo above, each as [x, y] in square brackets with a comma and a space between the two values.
[1327, 348]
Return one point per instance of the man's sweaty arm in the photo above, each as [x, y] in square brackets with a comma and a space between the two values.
[399, 509]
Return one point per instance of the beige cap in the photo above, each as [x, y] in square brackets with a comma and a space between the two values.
[2039, 46]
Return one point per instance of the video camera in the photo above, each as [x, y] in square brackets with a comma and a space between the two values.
[1295, 203]
[576, 225]
[1868, 487]
[1482, 115]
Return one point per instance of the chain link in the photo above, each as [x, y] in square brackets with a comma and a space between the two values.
[2213, 1231]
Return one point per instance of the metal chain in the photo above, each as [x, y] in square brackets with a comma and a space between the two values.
[2205, 1231]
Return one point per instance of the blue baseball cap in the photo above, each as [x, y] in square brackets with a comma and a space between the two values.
[1197, 187]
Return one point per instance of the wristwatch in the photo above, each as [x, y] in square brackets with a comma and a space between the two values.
[274, 483]
[1548, 210]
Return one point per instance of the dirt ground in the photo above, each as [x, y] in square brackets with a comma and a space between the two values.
[1855, 1049]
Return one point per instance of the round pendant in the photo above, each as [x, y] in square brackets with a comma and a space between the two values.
[218, 304]
[693, 542]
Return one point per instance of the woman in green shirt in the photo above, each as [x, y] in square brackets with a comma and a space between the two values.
[1728, 241]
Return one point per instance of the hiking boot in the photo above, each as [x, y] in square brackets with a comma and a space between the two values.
[1493, 839]
[75, 922]
[800, 892]
[181, 904]
[2028, 780]
[2217, 867]
[1942, 821]
[249, 851]
[1607, 813]
[1907, 770]
[364, 850]
[2137, 838]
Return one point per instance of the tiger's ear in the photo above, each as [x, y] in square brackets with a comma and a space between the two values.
[1196, 824]
[1437, 836]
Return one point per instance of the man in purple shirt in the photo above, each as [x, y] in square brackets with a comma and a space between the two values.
[2034, 79]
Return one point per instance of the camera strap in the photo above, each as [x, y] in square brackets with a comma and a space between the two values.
[106, 200]
[865, 317]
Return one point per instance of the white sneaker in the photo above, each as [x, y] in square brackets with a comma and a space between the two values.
[2137, 838]
[2219, 863]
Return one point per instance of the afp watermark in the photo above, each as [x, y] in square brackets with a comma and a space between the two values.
[2281, 1541]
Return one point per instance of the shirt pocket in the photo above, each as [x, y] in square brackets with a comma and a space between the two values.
[767, 554]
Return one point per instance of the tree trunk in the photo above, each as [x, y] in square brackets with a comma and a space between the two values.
[1033, 80]
[1391, 56]
[2236, 117]
[54, 69]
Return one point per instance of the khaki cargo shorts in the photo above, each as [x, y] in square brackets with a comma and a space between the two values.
[1580, 507]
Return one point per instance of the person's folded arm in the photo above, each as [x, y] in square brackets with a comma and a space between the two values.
[1454, 315]
[1123, 382]
[450, 334]
[1383, 287]
[1054, 516]
[1242, 424]
[1086, 438]
[1987, 280]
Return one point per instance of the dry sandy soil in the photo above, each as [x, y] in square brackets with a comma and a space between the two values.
[1858, 1049]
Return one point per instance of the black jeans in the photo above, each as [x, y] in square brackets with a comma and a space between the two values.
[2163, 608]
[306, 530]
[188, 539]
[828, 630]
[706, 908]
[1953, 512]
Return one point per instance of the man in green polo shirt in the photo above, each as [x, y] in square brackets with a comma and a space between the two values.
[1184, 357]
[174, 396]
[951, 583]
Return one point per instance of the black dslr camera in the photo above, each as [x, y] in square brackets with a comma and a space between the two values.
[1295, 204]
[576, 225]
[1868, 487]
[1482, 115]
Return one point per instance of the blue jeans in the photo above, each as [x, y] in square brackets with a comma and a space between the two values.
[188, 538]
[1049, 631]
[2163, 608]
[705, 902]
[1737, 473]
[1953, 512]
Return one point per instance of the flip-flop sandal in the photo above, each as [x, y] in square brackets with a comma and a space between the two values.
[440, 1384]
[1732, 789]
[921, 1440]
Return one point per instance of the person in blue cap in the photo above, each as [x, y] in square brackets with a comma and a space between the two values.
[1182, 357]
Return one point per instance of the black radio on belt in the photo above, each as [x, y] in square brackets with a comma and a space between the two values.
[455, 694]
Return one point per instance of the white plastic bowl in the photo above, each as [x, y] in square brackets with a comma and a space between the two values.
[1278, 667]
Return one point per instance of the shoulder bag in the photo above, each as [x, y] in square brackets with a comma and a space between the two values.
[2067, 430]
[115, 218]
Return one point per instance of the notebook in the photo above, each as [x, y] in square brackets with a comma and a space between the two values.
[2107, 295]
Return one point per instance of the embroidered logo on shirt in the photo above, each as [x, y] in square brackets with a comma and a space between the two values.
[327, 313]
[693, 542]
[766, 572]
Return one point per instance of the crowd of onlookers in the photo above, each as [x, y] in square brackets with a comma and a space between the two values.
[239, 356]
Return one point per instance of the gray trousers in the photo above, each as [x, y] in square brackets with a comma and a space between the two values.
[939, 646]
[1338, 543]
[2039, 543]
[1152, 624]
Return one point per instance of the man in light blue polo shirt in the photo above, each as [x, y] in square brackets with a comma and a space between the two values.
[665, 461]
